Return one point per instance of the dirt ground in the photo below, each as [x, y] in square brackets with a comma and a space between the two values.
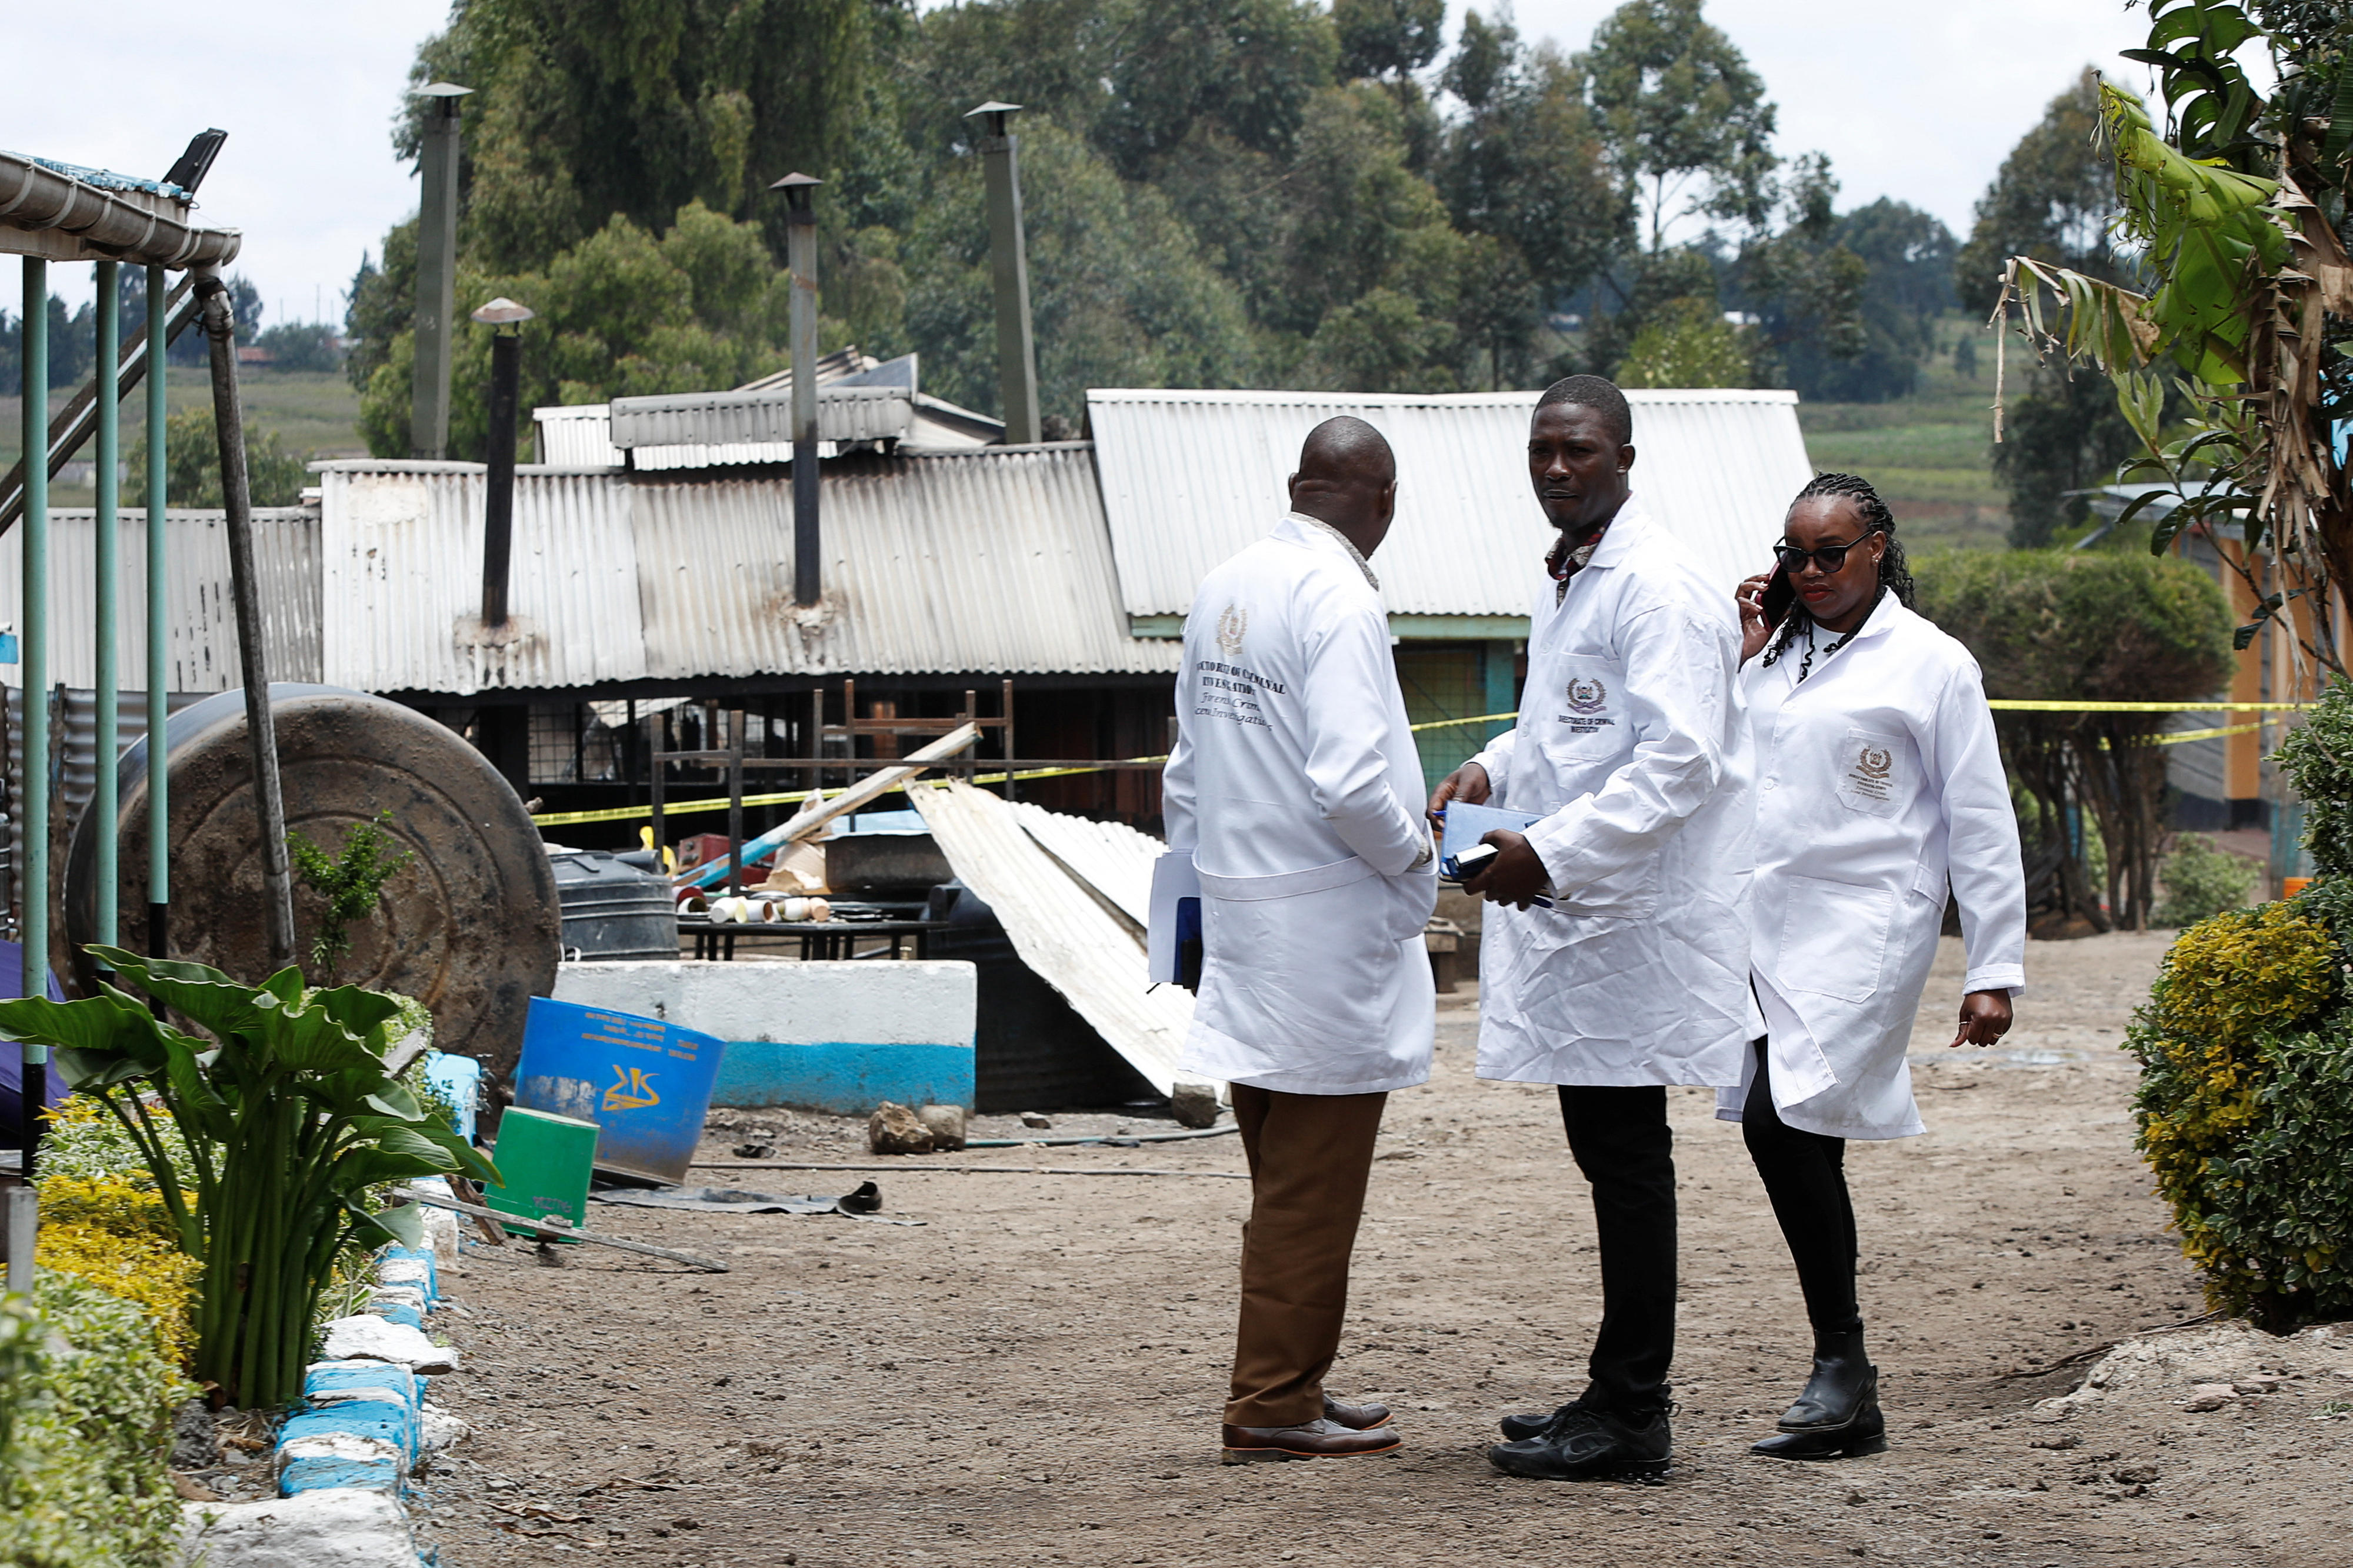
[1033, 1376]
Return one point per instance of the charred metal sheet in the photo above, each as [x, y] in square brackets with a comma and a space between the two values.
[470, 928]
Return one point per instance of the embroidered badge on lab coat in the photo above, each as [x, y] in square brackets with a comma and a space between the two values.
[1874, 778]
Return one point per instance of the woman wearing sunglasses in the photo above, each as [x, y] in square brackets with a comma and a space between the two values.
[1879, 785]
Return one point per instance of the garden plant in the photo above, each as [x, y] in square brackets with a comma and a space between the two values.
[267, 1138]
[2245, 1104]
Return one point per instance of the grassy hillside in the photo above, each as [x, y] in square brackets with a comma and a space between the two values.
[1931, 455]
[312, 411]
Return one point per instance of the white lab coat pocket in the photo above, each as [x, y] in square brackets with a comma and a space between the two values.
[1834, 938]
[1307, 957]
[1587, 720]
[1875, 773]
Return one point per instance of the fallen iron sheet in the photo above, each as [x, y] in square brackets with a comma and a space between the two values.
[864, 1203]
[1060, 928]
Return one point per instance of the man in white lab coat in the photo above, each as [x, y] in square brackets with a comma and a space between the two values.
[1296, 787]
[1631, 748]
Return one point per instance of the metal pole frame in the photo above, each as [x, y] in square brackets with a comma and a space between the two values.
[105, 802]
[159, 641]
[33, 765]
[228, 425]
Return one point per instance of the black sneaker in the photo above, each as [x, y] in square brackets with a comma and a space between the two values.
[1520, 1428]
[1583, 1444]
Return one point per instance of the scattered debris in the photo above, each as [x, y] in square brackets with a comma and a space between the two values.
[1193, 1104]
[864, 1202]
[1037, 1119]
[546, 1229]
[753, 1150]
[895, 1128]
[946, 1123]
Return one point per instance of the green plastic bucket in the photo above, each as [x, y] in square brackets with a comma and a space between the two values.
[546, 1161]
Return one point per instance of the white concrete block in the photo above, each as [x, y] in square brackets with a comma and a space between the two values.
[337, 1528]
[927, 1003]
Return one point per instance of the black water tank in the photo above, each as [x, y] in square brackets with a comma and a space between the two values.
[612, 911]
[1031, 1049]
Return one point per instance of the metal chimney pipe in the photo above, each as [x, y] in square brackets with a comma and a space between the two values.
[1017, 354]
[800, 254]
[498, 501]
[437, 271]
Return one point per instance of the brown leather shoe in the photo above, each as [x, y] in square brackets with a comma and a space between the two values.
[1314, 1440]
[1355, 1417]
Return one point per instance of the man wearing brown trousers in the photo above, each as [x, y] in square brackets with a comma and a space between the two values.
[1296, 789]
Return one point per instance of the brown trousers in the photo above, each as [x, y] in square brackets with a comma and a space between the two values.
[1310, 1156]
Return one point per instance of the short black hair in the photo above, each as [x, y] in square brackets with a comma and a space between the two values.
[1601, 396]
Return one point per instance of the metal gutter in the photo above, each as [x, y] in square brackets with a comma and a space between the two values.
[47, 211]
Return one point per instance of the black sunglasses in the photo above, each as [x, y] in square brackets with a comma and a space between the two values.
[1830, 557]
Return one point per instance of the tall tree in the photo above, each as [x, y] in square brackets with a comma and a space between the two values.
[1526, 162]
[2054, 199]
[1390, 39]
[640, 107]
[1685, 116]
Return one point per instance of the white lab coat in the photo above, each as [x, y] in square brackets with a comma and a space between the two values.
[1296, 787]
[1880, 783]
[1631, 741]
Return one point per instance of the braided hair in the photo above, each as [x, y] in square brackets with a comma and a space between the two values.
[1894, 575]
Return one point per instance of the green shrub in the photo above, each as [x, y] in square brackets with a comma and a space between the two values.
[2201, 882]
[2245, 1109]
[86, 1411]
[2317, 757]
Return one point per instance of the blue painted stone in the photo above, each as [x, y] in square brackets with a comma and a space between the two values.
[843, 1077]
[317, 1474]
[432, 1281]
[325, 1378]
[395, 1312]
[395, 1424]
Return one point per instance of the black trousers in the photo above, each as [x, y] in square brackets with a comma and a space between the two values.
[1805, 1175]
[1620, 1141]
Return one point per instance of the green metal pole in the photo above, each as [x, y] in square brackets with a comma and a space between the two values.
[159, 635]
[33, 766]
[105, 806]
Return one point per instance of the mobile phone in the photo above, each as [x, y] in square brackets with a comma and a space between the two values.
[1779, 595]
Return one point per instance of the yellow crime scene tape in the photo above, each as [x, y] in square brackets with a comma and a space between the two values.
[794, 797]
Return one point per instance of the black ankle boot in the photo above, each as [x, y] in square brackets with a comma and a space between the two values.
[1842, 1381]
[1838, 1415]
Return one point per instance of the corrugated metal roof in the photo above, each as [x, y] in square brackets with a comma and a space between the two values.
[995, 561]
[1059, 930]
[736, 418]
[400, 558]
[1190, 476]
[579, 436]
[204, 652]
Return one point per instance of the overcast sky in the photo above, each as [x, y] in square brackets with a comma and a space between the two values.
[1917, 102]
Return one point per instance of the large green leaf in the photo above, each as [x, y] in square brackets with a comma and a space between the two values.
[357, 1009]
[305, 1039]
[111, 1028]
[201, 991]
